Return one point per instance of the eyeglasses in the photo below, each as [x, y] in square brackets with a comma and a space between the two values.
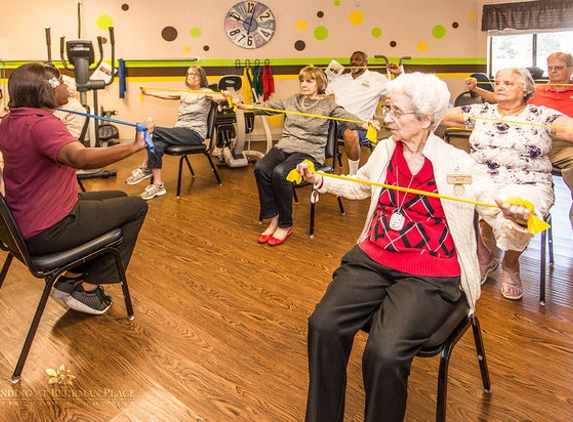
[556, 68]
[394, 113]
[194, 75]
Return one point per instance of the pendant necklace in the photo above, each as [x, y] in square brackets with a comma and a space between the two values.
[397, 219]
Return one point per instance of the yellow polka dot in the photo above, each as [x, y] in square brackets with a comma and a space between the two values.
[104, 22]
[472, 15]
[301, 25]
[356, 17]
[187, 49]
[422, 46]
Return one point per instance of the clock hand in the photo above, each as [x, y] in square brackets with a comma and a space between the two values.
[251, 21]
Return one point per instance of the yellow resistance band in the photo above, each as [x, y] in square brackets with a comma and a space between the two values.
[371, 133]
[534, 224]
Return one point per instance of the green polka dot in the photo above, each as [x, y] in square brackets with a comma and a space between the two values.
[438, 31]
[104, 22]
[195, 32]
[376, 32]
[337, 2]
[320, 33]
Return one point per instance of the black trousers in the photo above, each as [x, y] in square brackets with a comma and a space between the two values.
[275, 191]
[94, 214]
[403, 311]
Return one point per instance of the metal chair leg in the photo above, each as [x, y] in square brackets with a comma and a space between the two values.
[480, 349]
[5, 268]
[33, 327]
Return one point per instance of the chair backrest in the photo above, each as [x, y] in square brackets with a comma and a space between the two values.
[211, 118]
[466, 98]
[11, 237]
[332, 142]
[483, 81]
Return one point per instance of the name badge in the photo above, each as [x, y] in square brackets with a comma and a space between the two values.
[366, 84]
[459, 179]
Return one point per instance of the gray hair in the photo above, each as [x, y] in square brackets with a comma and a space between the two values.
[527, 83]
[564, 57]
[429, 95]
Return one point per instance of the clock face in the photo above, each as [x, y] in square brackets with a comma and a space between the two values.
[250, 24]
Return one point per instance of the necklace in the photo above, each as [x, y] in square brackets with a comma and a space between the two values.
[303, 102]
[397, 219]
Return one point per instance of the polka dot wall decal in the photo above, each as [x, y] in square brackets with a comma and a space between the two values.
[455, 25]
[337, 2]
[320, 33]
[125, 7]
[472, 15]
[205, 48]
[422, 46]
[393, 44]
[376, 32]
[356, 17]
[299, 45]
[438, 31]
[301, 25]
[320, 14]
[169, 33]
[186, 49]
[104, 22]
[195, 32]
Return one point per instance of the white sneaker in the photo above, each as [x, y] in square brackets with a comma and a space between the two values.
[152, 191]
[138, 175]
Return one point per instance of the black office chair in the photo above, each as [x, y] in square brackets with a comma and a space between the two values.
[50, 267]
[443, 341]
[182, 151]
[331, 152]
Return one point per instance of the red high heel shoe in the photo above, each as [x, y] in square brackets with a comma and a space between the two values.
[273, 241]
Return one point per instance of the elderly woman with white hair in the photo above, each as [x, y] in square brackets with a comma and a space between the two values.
[414, 261]
[510, 141]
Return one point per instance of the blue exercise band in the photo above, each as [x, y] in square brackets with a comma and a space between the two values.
[138, 126]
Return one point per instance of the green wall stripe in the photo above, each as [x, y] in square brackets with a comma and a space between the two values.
[317, 61]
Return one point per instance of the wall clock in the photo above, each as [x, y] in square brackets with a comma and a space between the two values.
[250, 24]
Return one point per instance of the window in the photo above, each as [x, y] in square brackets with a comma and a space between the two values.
[521, 49]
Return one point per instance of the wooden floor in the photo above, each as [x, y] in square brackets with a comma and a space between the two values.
[220, 327]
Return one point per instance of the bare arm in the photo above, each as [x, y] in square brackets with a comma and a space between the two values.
[162, 95]
[562, 128]
[76, 155]
[489, 96]
[453, 117]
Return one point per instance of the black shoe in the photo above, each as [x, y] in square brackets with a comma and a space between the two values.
[95, 302]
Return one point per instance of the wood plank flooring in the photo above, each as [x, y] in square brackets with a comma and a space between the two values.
[220, 326]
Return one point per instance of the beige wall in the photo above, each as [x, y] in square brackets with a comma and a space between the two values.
[414, 25]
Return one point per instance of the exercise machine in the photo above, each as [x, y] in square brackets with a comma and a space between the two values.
[80, 60]
[232, 126]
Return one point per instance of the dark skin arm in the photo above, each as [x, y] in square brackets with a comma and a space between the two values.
[76, 155]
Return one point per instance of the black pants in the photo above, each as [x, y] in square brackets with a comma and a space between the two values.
[95, 214]
[403, 310]
[275, 191]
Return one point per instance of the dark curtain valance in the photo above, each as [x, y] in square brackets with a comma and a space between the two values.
[542, 14]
